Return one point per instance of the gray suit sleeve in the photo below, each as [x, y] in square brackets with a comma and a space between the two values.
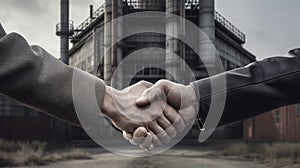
[257, 88]
[33, 77]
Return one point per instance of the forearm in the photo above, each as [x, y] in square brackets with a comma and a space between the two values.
[33, 77]
[254, 89]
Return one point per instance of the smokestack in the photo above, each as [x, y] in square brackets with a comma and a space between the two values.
[64, 37]
[207, 25]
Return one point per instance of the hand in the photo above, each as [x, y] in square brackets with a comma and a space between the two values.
[181, 97]
[120, 108]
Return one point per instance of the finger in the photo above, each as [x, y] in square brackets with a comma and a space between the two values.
[138, 136]
[127, 136]
[159, 89]
[179, 123]
[175, 118]
[167, 126]
[149, 95]
[147, 143]
[155, 141]
[159, 132]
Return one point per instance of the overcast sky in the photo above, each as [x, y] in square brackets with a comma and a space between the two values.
[271, 26]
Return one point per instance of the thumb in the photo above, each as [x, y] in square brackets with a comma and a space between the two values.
[149, 95]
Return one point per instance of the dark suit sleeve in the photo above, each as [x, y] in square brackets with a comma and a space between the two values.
[33, 77]
[257, 88]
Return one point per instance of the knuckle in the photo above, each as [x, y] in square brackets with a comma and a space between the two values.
[141, 82]
[162, 81]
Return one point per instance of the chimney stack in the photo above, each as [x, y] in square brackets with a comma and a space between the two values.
[64, 37]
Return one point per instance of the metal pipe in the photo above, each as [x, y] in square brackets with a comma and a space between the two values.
[92, 12]
[64, 38]
[107, 42]
[116, 52]
[176, 27]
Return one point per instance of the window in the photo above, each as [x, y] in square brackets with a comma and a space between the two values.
[5, 107]
[9, 108]
[277, 116]
[298, 110]
[33, 114]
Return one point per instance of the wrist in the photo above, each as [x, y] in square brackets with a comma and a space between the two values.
[108, 108]
[192, 95]
[200, 119]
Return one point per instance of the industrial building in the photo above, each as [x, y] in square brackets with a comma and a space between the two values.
[22, 123]
[91, 39]
[282, 124]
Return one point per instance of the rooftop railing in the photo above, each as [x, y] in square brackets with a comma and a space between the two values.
[134, 4]
[229, 26]
[88, 21]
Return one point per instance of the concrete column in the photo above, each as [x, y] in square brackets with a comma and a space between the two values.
[117, 54]
[207, 25]
[107, 42]
[64, 38]
[175, 27]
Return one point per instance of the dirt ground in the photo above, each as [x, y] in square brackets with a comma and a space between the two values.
[184, 157]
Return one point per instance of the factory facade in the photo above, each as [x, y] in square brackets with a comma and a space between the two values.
[91, 40]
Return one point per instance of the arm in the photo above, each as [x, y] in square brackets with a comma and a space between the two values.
[32, 76]
[252, 90]
[257, 88]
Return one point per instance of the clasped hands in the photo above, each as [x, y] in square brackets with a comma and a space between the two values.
[151, 115]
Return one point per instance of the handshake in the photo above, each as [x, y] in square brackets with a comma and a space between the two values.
[151, 115]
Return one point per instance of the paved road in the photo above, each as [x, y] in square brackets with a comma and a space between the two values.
[174, 158]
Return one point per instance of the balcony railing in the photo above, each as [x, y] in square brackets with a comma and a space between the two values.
[62, 29]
